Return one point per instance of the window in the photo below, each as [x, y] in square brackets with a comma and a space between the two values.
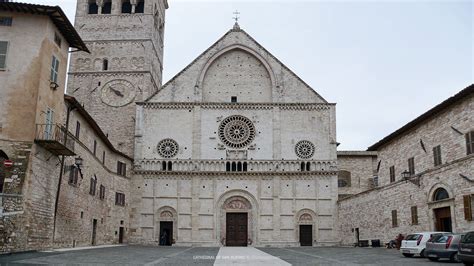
[344, 179]
[78, 129]
[414, 215]
[93, 185]
[411, 166]
[126, 7]
[57, 39]
[54, 70]
[102, 192]
[3, 54]
[469, 135]
[93, 7]
[140, 8]
[107, 7]
[121, 168]
[437, 155]
[468, 203]
[440, 194]
[392, 174]
[394, 218]
[95, 147]
[103, 157]
[73, 175]
[119, 199]
[49, 120]
[105, 64]
[6, 21]
[233, 99]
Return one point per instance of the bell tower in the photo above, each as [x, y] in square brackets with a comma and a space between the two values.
[125, 64]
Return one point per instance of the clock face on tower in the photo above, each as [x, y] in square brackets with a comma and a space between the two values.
[118, 93]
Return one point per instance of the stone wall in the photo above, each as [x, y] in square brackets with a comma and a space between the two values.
[362, 167]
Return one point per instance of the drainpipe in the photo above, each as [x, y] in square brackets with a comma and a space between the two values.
[56, 203]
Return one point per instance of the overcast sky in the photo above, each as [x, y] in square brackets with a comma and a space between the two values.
[383, 63]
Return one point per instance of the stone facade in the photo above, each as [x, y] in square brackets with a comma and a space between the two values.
[30, 110]
[371, 212]
[235, 132]
[124, 66]
[357, 172]
[78, 208]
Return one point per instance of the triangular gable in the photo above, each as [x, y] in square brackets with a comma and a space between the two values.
[184, 86]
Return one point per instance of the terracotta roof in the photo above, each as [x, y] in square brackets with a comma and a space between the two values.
[79, 108]
[56, 14]
[427, 115]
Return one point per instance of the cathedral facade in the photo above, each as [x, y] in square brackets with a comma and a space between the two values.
[235, 150]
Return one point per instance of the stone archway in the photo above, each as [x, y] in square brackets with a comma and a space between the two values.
[166, 217]
[441, 209]
[233, 202]
[305, 223]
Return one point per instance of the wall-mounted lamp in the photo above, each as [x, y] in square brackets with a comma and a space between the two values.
[53, 85]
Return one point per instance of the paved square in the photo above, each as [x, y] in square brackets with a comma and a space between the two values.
[140, 255]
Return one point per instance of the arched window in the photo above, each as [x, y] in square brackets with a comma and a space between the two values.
[107, 8]
[239, 167]
[170, 166]
[234, 167]
[308, 166]
[105, 64]
[126, 7]
[440, 194]
[227, 166]
[245, 166]
[140, 7]
[302, 166]
[163, 166]
[344, 179]
[93, 8]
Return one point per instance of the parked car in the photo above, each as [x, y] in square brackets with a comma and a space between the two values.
[443, 246]
[466, 249]
[415, 244]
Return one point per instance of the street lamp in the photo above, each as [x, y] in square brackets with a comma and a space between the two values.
[78, 161]
[406, 175]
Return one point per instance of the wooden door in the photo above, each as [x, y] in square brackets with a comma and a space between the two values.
[94, 231]
[306, 235]
[443, 219]
[121, 235]
[166, 233]
[236, 229]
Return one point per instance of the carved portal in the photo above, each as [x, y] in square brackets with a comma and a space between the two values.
[306, 217]
[166, 214]
[236, 204]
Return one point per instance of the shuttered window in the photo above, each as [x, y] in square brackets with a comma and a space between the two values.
[121, 168]
[102, 192]
[411, 165]
[414, 215]
[468, 207]
[437, 155]
[469, 140]
[54, 70]
[3, 55]
[119, 199]
[392, 174]
[6, 21]
[93, 186]
[95, 147]
[78, 129]
[394, 218]
[73, 175]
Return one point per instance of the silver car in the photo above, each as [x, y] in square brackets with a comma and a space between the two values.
[443, 246]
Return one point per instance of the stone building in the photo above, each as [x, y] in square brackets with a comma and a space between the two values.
[125, 63]
[235, 150]
[93, 205]
[357, 172]
[34, 42]
[425, 174]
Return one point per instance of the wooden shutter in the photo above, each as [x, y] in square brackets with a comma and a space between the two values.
[71, 175]
[394, 218]
[414, 215]
[467, 207]
[469, 141]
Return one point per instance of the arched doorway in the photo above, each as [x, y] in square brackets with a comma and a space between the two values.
[305, 222]
[237, 220]
[442, 215]
[166, 226]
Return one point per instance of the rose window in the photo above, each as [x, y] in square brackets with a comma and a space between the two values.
[304, 149]
[168, 148]
[236, 131]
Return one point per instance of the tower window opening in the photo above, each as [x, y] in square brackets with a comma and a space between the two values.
[170, 166]
[233, 99]
[126, 7]
[93, 7]
[107, 8]
[227, 167]
[140, 7]
[245, 166]
[239, 167]
[163, 166]
[105, 64]
[234, 167]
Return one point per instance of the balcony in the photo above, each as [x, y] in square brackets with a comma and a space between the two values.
[55, 139]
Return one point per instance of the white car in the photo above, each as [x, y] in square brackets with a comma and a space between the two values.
[415, 244]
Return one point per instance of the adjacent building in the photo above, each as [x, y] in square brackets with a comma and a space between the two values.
[425, 174]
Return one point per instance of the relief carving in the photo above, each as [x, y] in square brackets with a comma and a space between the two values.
[306, 217]
[166, 214]
[236, 205]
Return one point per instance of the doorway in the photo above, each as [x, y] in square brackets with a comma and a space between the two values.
[306, 235]
[120, 234]
[166, 233]
[443, 221]
[236, 229]
[94, 231]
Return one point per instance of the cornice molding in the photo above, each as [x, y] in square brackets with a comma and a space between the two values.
[253, 106]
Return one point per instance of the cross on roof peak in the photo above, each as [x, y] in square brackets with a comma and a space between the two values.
[236, 17]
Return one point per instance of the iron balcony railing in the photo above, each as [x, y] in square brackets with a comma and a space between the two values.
[55, 138]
